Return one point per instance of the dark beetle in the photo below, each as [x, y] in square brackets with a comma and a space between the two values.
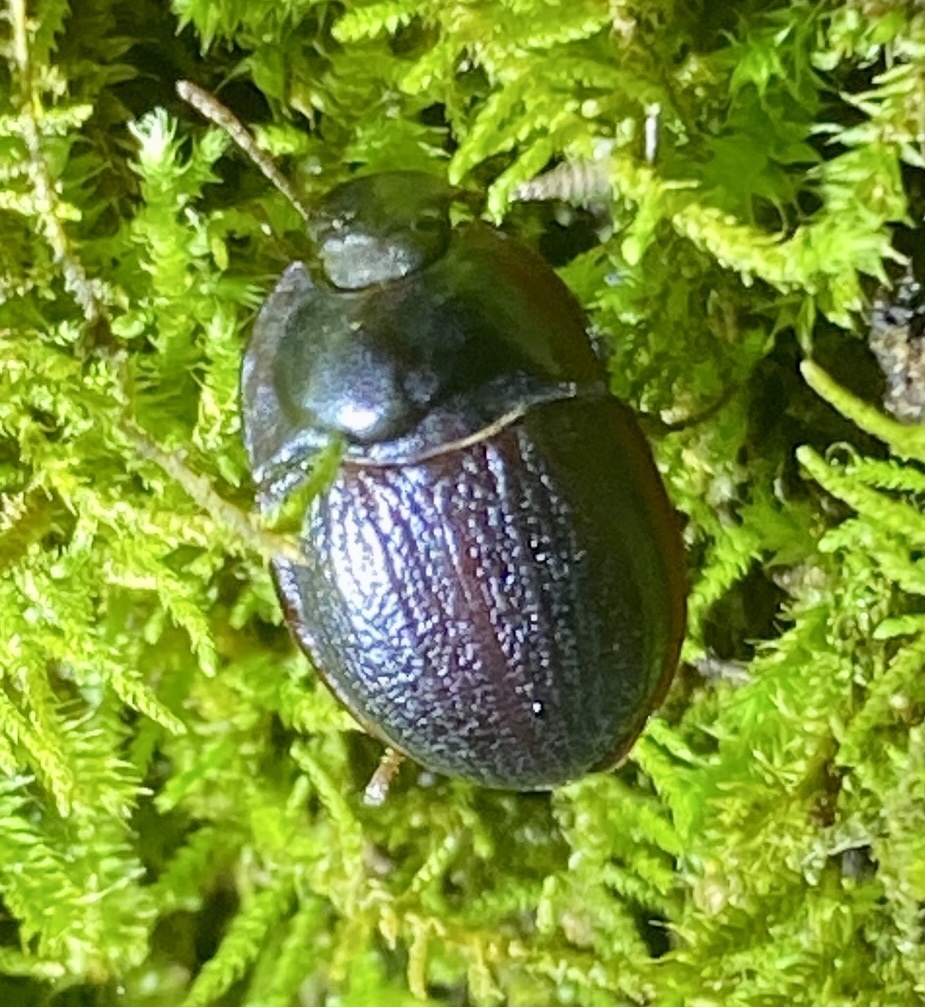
[493, 582]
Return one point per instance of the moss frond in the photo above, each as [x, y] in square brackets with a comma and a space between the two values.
[727, 187]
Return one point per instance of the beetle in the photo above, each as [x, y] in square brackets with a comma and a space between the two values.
[492, 583]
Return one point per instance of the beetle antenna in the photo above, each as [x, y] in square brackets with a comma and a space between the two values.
[225, 119]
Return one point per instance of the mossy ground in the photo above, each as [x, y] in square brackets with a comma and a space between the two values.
[180, 812]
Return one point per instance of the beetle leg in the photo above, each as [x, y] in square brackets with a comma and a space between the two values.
[377, 790]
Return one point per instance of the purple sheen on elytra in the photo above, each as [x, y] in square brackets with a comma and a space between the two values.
[480, 611]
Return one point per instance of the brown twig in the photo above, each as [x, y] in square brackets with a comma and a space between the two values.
[75, 276]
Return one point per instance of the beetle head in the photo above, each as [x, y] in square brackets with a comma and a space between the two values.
[381, 227]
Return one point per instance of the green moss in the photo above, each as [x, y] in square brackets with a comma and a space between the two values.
[181, 819]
